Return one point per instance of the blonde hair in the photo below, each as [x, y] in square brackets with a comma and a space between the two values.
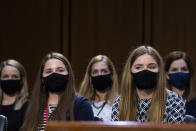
[129, 99]
[23, 94]
[86, 88]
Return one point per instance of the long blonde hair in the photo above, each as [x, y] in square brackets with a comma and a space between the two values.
[23, 94]
[86, 88]
[129, 99]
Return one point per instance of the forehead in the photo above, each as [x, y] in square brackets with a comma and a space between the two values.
[144, 59]
[178, 63]
[99, 65]
[10, 69]
[53, 63]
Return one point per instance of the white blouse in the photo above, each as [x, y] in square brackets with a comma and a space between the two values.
[102, 110]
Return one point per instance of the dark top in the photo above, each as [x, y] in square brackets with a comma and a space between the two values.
[15, 117]
[82, 112]
[191, 108]
[82, 109]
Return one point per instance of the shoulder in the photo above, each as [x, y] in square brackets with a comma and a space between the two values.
[175, 103]
[25, 105]
[115, 109]
[174, 98]
[175, 108]
[191, 102]
[81, 102]
[117, 100]
[82, 109]
[115, 106]
[190, 108]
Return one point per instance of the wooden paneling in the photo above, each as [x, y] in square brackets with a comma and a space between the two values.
[110, 27]
[174, 26]
[28, 30]
[81, 29]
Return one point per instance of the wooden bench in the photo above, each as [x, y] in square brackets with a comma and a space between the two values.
[117, 126]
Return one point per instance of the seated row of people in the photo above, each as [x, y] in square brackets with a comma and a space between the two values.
[145, 93]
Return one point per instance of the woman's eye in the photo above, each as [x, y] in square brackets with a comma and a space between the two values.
[184, 69]
[174, 70]
[48, 71]
[15, 77]
[152, 67]
[137, 67]
[61, 70]
[5, 76]
[94, 72]
[105, 71]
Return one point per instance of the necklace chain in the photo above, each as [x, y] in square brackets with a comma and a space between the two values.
[98, 107]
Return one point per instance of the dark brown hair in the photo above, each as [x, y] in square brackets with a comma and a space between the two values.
[176, 55]
[40, 96]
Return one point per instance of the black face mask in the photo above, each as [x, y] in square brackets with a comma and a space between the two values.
[101, 82]
[145, 79]
[55, 82]
[10, 87]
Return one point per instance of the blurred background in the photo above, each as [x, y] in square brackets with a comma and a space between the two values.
[81, 29]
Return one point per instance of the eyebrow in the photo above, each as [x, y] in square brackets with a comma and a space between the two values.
[55, 68]
[152, 64]
[180, 67]
[173, 67]
[138, 64]
[11, 74]
[184, 67]
[60, 68]
[47, 69]
[148, 64]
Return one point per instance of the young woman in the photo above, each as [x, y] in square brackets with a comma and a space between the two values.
[180, 75]
[55, 98]
[144, 97]
[100, 86]
[13, 93]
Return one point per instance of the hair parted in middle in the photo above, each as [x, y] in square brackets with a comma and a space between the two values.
[129, 98]
[86, 88]
[40, 96]
[190, 91]
[22, 96]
